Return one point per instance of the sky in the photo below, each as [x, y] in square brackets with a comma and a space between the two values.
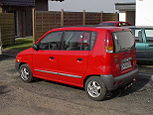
[124, 1]
[80, 5]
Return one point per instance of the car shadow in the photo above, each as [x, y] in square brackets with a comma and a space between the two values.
[142, 83]
[3, 89]
[64, 85]
[5, 57]
[142, 63]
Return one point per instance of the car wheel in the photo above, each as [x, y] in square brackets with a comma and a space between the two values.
[25, 73]
[95, 88]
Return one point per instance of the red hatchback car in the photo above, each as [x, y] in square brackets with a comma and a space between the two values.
[99, 59]
[114, 23]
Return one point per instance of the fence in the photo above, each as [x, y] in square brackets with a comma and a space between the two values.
[7, 28]
[46, 20]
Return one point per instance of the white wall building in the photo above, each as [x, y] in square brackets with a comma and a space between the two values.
[144, 12]
[80, 5]
[137, 12]
[126, 10]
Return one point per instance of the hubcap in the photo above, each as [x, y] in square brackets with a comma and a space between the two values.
[25, 73]
[93, 89]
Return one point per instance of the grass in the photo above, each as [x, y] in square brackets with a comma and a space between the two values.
[20, 44]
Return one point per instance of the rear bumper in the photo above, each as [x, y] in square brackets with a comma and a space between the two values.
[113, 83]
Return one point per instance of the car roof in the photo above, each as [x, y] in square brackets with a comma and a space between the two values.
[86, 27]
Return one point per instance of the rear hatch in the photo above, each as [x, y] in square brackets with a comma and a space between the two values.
[123, 57]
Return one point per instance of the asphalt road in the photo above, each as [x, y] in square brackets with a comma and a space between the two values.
[48, 98]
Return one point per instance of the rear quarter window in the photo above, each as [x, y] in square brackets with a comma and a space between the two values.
[78, 40]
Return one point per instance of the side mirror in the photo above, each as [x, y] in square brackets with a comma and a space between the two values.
[35, 47]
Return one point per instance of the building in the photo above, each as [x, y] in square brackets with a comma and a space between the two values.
[144, 14]
[136, 12]
[127, 10]
[22, 10]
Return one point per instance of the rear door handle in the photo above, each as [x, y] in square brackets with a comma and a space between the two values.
[79, 59]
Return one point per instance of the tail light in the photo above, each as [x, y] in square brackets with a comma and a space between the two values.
[109, 44]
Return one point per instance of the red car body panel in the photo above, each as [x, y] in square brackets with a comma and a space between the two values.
[94, 62]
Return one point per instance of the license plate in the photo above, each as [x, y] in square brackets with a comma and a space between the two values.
[126, 65]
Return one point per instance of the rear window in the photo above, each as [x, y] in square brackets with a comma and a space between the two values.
[123, 24]
[123, 40]
[107, 24]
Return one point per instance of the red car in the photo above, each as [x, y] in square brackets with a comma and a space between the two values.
[99, 59]
[114, 23]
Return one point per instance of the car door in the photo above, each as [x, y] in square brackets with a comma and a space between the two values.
[45, 60]
[74, 55]
[149, 43]
[140, 43]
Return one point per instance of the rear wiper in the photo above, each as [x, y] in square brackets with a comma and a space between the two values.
[126, 49]
[123, 49]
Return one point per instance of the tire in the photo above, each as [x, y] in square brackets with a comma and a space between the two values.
[25, 73]
[95, 88]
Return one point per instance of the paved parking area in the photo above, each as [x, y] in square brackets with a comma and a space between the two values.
[48, 98]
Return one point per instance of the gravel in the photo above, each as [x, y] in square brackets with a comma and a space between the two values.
[49, 98]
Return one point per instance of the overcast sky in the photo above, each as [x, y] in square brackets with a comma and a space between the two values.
[107, 6]
[80, 5]
[124, 1]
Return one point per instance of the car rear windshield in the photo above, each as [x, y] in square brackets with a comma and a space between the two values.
[107, 24]
[123, 41]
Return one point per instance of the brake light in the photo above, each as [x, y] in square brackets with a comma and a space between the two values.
[109, 44]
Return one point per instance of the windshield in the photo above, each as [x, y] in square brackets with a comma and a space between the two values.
[123, 40]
